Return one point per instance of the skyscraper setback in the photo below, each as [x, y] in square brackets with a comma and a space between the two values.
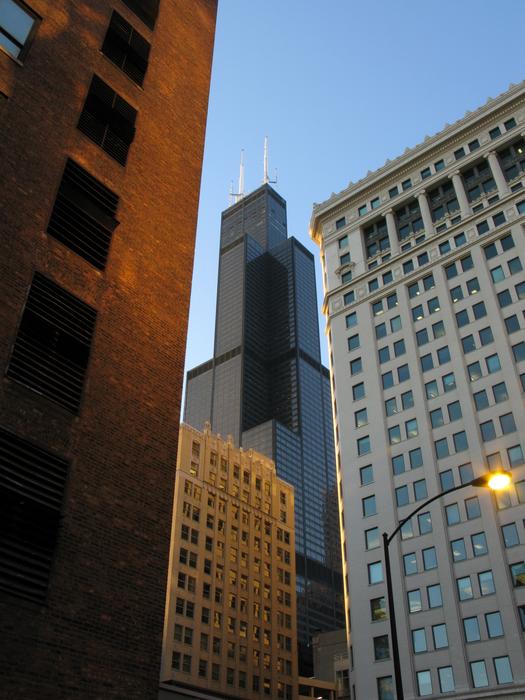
[266, 386]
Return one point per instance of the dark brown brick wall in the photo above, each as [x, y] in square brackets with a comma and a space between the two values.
[99, 636]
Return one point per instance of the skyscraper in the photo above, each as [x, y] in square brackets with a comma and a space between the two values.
[102, 117]
[266, 387]
[424, 271]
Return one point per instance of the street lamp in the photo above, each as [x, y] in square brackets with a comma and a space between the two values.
[496, 481]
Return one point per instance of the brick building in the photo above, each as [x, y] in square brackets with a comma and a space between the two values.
[102, 116]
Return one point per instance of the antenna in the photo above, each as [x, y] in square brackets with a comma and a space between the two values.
[266, 179]
[237, 196]
[241, 176]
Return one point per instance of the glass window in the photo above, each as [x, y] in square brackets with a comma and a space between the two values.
[395, 324]
[385, 686]
[479, 310]
[394, 434]
[438, 330]
[375, 572]
[518, 351]
[485, 336]
[398, 464]
[417, 312]
[369, 506]
[356, 366]
[433, 305]
[479, 544]
[425, 523]
[410, 564]
[378, 609]
[488, 431]
[444, 247]
[460, 441]
[411, 428]
[431, 389]
[353, 342]
[434, 597]
[507, 423]
[446, 679]
[413, 289]
[439, 634]
[403, 373]
[420, 489]
[436, 418]
[486, 583]
[465, 473]
[407, 531]
[459, 551]
[481, 400]
[462, 318]
[472, 508]
[443, 355]
[479, 674]
[471, 629]
[510, 535]
[391, 406]
[468, 344]
[449, 382]
[387, 380]
[429, 558]
[381, 650]
[416, 458]
[497, 274]
[366, 474]
[361, 418]
[358, 391]
[452, 513]
[383, 354]
[494, 624]
[424, 683]
[363, 445]
[503, 670]
[407, 400]
[362, 210]
[380, 331]
[504, 298]
[446, 479]
[414, 601]
[402, 497]
[399, 348]
[351, 319]
[512, 324]
[349, 298]
[419, 640]
[464, 585]
[372, 538]
[441, 448]
[515, 266]
[427, 363]
[15, 28]
[426, 172]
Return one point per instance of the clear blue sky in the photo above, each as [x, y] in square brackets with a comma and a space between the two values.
[338, 86]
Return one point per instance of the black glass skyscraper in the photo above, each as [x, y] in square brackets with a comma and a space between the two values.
[266, 386]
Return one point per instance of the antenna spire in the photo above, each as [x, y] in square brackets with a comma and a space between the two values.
[266, 179]
[240, 194]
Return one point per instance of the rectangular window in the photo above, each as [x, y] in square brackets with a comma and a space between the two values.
[83, 216]
[52, 348]
[32, 483]
[17, 25]
[126, 48]
[503, 670]
[146, 10]
[108, 120]
[419, 640]
[478, 671]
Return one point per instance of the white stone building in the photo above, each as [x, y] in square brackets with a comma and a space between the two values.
[424, 277]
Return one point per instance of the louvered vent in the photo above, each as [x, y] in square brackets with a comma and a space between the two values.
[126, 48]
[146, 10]
[32, 483]
[83, 217]
[52, 347]
[108, 120]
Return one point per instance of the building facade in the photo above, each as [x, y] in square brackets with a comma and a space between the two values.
[99, 199]
[266, 387]
[423, 270]
[231, 610]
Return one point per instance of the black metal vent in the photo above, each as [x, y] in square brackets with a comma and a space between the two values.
[83, 216]
[52, 347]
[32, 483]
[126, 48]
[108, 120]
[146, 10]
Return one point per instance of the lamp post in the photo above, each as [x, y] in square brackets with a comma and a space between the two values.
[494, 480]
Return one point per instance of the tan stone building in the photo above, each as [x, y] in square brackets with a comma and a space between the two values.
[231, 609]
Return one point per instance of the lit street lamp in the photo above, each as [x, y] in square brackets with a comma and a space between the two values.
[494, 480]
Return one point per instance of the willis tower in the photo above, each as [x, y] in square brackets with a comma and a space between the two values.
[266, 386]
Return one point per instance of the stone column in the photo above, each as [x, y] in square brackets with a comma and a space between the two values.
[497, 172]
[356, 241]
[425, 212]
[392, 232]
[461, 194]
